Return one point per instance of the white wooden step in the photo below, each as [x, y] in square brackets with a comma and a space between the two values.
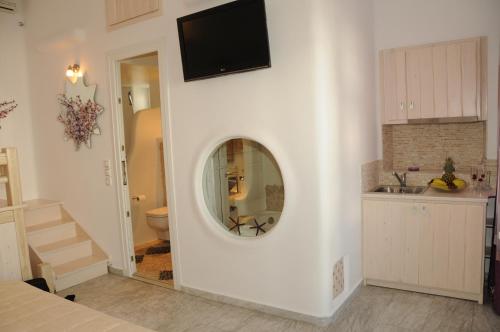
[40, 203]
[40, 211]
[65, 251]
[62, 243]
[80, 270]
[49, 232]
[57, 240]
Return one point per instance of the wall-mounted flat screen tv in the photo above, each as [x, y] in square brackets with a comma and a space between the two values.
[224, 39]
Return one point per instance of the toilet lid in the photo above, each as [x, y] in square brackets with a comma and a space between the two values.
[159, 212]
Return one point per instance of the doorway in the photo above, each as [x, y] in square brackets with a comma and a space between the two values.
[142, 156]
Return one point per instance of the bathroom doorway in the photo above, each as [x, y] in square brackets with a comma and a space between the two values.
[140, 84]
[143, 176]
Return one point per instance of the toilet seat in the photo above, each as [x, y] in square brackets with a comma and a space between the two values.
[158, 213]
[158, 220]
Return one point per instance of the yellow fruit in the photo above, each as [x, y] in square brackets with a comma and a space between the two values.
[459, 183]
[439, 182]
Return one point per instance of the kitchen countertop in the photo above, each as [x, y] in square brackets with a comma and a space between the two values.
[467, 195]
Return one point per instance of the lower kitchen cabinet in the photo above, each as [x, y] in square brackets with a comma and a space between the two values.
[431, 247]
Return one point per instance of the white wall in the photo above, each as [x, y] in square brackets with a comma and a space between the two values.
[274, 106]
[17, 127]
[56, 39]
[313, 110]
[408, 22]
[347, 130]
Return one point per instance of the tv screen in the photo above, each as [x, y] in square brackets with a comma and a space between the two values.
[224, 39]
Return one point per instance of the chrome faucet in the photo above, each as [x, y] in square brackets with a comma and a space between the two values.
[401, 178]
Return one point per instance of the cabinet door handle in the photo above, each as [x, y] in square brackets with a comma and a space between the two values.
[411, 105]
[402, 106]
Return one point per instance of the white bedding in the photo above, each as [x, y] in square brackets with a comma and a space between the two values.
[26, 308]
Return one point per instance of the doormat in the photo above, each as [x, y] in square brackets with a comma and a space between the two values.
[161, 249]
[166, 275]
[139, 258]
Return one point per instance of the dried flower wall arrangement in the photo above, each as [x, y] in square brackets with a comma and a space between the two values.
[6, 107]
[79, 119]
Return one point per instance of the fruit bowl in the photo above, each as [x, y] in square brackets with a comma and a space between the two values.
[440, 185]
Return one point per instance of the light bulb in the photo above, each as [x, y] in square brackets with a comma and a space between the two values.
[69, 72]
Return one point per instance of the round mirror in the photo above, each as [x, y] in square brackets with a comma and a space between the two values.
[243, 187]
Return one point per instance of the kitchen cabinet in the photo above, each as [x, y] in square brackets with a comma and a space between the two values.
[420, 83]
[453, 80]
[393, 82]
[10, 268]
[471, 82]
[382, 240]
[431, 247]
[440, 72]
[119, 12]
[437, 81]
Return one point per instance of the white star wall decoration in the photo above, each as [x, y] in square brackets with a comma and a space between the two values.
[80, 113]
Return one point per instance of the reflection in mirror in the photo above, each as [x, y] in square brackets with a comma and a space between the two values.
[243, 187]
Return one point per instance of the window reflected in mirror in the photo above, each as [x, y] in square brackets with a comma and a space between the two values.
[243, 187]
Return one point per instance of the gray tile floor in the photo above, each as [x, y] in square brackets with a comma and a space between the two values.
[371, 309]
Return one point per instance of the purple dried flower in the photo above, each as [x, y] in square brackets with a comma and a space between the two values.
[6, 107]
[79, 119]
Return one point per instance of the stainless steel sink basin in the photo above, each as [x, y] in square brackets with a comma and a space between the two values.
[400, 190]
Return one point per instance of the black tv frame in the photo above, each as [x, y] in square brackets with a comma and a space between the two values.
[212, 11]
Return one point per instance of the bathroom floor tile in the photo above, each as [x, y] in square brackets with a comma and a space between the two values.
[154, 261]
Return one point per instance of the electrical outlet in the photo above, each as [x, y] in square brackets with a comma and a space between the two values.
[338, 278]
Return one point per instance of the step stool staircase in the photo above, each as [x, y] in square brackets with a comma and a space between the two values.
[60, 250]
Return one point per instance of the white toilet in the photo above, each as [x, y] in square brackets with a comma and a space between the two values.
[158, 220]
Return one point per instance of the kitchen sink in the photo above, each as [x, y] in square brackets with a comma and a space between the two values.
[400, 190]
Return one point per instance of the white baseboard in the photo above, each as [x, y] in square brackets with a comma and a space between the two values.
[319, 321]
[115, 271]
[346, 302]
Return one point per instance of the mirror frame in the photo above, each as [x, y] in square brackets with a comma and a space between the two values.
[208, 219]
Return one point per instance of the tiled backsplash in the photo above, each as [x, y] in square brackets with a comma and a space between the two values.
[370, 175]
[428, 145]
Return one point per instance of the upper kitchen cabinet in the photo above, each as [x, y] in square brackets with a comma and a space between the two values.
[121, 12]
[444, 81]
[420, 83]
[393, 83]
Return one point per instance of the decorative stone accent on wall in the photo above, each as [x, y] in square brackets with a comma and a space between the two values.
[428, 145]
[275, 197]
[370, 175]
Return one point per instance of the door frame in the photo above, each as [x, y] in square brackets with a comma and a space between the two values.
[123, 196]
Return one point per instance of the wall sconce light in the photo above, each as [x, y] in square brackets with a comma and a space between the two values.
[73, 72]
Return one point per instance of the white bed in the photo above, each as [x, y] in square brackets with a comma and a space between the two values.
[26, 308]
